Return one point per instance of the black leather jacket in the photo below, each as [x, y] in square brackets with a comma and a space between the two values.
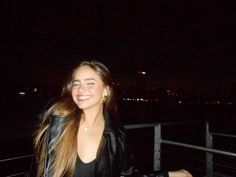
[114, 158]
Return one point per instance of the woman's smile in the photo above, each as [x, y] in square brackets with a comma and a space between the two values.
[83, 98]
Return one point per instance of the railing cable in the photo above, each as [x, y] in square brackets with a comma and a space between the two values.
[198, 147]
[16, 158]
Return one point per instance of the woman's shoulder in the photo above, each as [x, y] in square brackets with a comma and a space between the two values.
[113, 123]
[57, 118]
[117, 129]
[56, 121]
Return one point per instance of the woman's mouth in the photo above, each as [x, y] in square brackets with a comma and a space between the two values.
[83, 98]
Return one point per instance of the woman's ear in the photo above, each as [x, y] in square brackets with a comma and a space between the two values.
[105, 94]
[106, 91]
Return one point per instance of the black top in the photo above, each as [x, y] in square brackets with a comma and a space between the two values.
[84, 169]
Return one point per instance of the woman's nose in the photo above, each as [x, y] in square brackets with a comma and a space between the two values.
[81, 88]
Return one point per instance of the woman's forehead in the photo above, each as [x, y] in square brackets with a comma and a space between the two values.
[86, 72]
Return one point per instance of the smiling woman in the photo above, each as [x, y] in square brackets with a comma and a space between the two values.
[78, 135]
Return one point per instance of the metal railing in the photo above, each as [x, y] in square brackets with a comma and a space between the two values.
[159, 141]
[19, 173]
[208, 148]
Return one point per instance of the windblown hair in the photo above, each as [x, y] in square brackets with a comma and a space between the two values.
[65, 151]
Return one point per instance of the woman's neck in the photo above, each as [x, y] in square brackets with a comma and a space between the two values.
[93, 116]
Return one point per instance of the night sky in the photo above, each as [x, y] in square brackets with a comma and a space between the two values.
[183, 43]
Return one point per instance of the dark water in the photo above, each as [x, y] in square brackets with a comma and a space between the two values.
[221, 117]
[18, 124]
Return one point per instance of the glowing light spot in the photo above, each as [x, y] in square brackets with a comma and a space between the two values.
[22, 93]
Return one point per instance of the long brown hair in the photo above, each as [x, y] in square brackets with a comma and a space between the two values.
[66, 145]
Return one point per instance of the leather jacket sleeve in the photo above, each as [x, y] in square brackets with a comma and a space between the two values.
[55, 130]
[53, 133]
[162, 174]
[127, 168]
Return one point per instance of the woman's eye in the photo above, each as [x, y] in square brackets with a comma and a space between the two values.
[75, 84]
[90, 83]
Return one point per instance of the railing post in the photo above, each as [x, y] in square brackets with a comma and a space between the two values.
[157, 147]
[209, 155]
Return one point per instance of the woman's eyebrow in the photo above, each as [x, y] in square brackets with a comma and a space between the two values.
[90, 79]
[86, 79]
[75, 80]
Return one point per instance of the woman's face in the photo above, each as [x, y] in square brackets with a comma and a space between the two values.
[88, 89]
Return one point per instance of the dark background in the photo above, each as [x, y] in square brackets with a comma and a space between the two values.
[187, 47]
[185, 43]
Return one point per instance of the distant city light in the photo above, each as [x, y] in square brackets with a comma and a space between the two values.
[22, 93]
[142, 72]
[35, 89]
[135, 99]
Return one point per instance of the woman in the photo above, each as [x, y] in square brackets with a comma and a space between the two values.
[78, 136]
